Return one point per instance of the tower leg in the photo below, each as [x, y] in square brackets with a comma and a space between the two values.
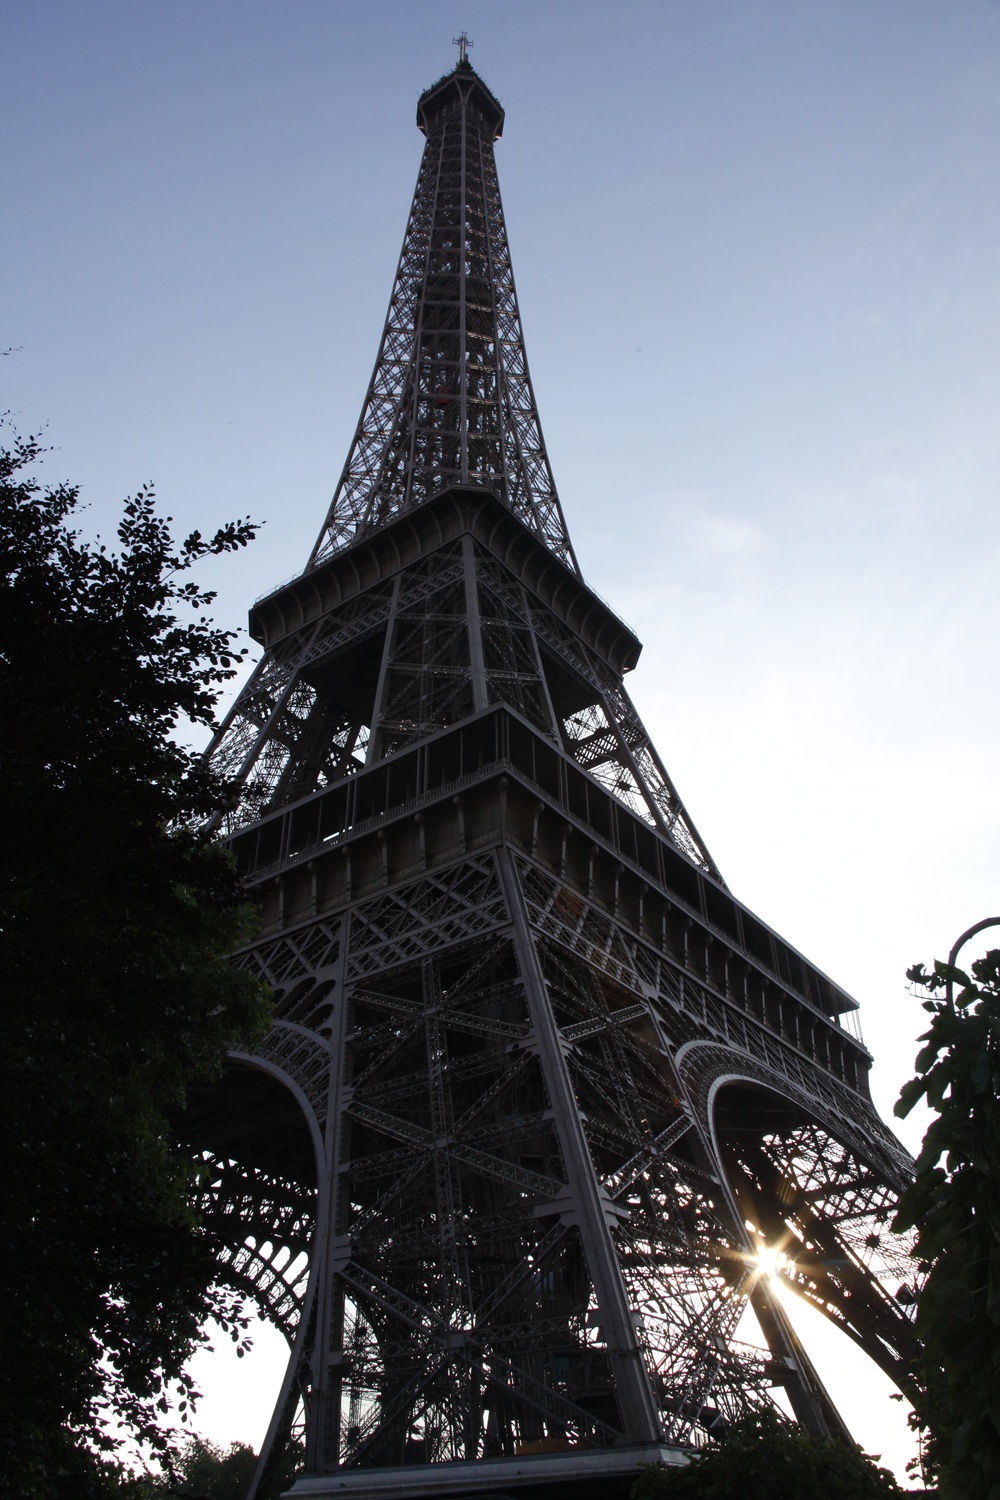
[588, 1209]
[809, 1398]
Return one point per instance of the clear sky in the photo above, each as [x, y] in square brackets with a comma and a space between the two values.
[757, 246]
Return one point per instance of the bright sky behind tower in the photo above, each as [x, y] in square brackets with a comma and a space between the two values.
[756, 247]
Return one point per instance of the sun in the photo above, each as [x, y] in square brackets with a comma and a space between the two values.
[771, 1262]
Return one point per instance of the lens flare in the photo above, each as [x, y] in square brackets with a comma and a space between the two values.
[771, 1262]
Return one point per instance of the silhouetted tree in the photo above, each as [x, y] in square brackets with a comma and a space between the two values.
[764, 1457]
[117, 911]
[206, 1471]
[954, 1204]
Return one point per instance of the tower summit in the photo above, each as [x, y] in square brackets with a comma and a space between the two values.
[539, 1088]
[450, 399]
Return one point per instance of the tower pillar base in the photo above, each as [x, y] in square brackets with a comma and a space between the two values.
[592, 1473]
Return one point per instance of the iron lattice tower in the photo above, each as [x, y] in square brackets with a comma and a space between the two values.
[538, 1086]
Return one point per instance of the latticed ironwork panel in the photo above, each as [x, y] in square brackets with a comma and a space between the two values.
[455, 631]
[512, 667]
[270, 1265]
[427, 682]
[467, 1318]
[534, 1238]
[827, 1213]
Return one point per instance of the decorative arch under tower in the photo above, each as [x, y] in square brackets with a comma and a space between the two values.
[538, 1086]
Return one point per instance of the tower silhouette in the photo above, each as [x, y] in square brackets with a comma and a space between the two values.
[539, 1087]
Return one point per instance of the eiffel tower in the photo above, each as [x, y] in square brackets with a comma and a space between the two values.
[539, 1088]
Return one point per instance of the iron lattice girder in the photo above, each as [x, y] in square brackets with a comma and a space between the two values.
[277, 1218]
[533, 1070]
[450, 399]
[452, 627]
[653, 943]
[679, 1255]
[845, 1263]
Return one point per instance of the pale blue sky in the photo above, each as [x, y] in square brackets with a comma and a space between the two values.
[757, 246]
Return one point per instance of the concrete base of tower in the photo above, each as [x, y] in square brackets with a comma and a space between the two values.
[589, 1474]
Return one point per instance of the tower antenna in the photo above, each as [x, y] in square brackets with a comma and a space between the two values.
[463, 43]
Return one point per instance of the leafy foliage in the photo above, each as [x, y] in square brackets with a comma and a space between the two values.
[763, 1457]
[954, 1204]
[212, 1473]
[117, 911]
[204, 1471]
